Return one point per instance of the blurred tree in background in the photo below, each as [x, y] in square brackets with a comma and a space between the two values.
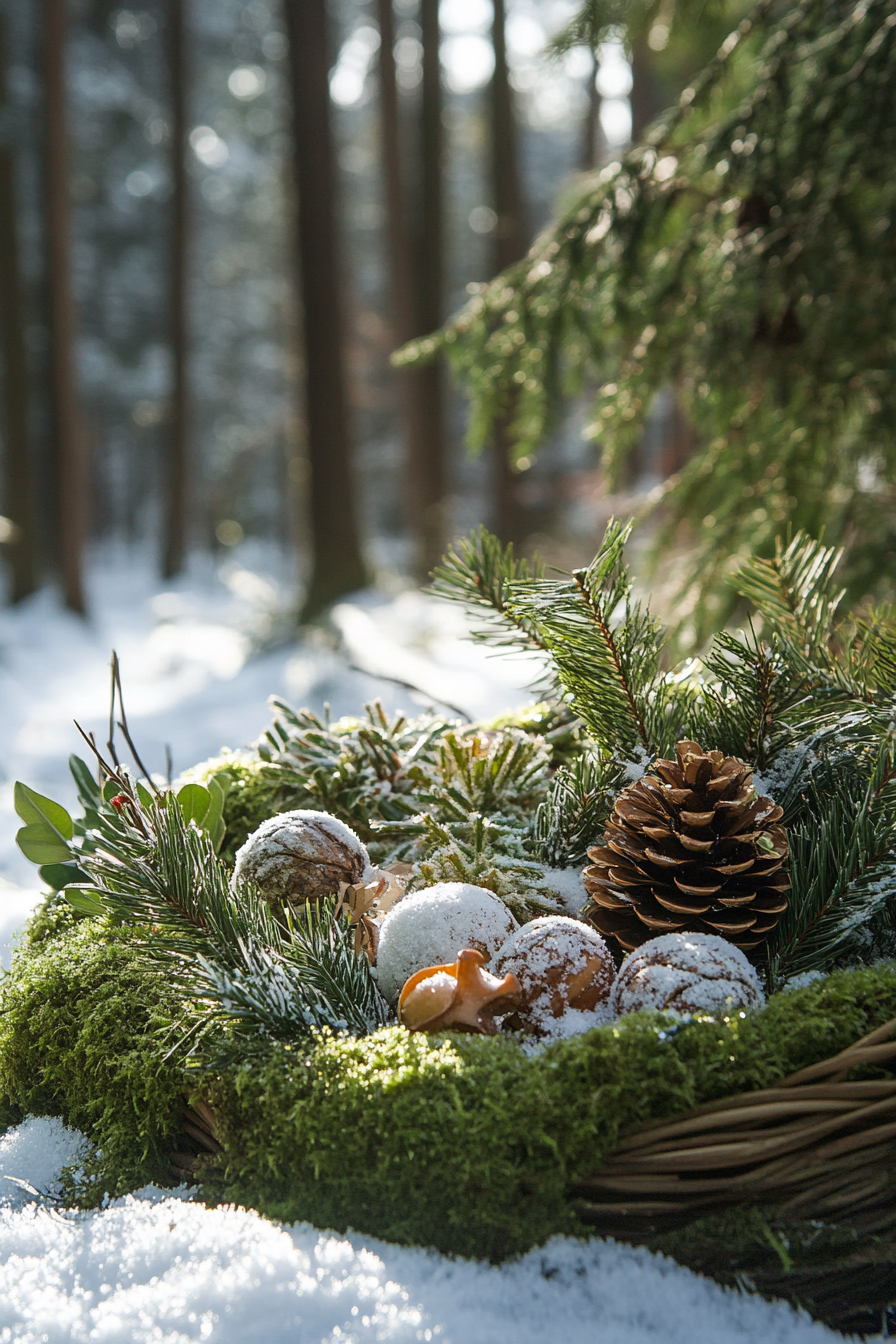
[745, 255]
[217, 225]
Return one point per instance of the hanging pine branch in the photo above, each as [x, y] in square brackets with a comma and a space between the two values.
[745, 253]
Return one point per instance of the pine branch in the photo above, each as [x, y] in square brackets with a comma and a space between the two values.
[481, 575]
[313, 978]
[842, 863]
[606, 649]
[574, 815]
[756, 698]
[358, 771]
[796, 596]
[219, 944]
[501, 772]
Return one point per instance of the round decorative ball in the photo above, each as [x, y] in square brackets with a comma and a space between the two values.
[430, 927]
[301, 856]
[565, 972]
[686, 973]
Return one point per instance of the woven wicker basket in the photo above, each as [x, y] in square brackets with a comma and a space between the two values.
[816, 1150]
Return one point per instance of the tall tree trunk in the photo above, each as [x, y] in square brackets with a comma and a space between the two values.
[646, 100]
[177, 464]
[18, 503]
[510, 245]
[68, 432]
[420, 389]
[336, 566]
[591, 127]
[428, 398]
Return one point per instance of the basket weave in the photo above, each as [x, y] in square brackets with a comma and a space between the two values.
[816, 1150]
[815, 1146]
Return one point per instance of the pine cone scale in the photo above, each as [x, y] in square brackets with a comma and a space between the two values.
[689, 847]
[699, 819]
[695, 846]
[735, 925]
[679, 904]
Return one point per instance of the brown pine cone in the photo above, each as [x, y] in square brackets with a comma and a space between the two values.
[690, 848]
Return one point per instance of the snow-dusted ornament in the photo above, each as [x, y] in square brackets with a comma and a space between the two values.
[463, 996]
[430, 927]
[301, 856]
[566, 973]
[686, 973]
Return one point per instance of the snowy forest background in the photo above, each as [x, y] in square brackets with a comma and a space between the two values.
[160, 174]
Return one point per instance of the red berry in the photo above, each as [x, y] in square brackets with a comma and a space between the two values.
[119, 801]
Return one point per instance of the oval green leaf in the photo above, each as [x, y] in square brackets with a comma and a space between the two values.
[194, 802]
[34, 808]
[41, 843]
[59, 875]
[85, 900]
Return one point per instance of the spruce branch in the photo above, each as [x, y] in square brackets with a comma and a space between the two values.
[481, 574]
[842, 862]
[741, 256]
[796, 596]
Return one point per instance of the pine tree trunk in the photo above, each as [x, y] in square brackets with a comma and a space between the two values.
[68, 434]
[18, 503]
[645, 98]
[510, 245]
[428, 463]
[424, 440]
[591, 127]
[336, 564]
[177, 466]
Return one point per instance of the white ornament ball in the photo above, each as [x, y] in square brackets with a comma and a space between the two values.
[686, 973]
[300, 856]
[566, 974]
[430, 927]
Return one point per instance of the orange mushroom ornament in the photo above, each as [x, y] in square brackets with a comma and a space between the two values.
[463, 996]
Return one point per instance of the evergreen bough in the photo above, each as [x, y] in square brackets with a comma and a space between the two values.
[744, 256]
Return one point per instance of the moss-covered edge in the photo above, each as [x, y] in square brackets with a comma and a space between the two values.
[84, 1034]
[470, 1145]
[466, 1144]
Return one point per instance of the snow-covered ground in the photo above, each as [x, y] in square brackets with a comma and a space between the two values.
[156, 1268]
[199, 659]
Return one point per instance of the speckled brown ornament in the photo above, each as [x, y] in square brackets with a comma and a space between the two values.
[301, 856]
[565, 971]
[686, 973]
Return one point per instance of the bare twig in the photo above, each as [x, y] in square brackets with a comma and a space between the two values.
[409, 686]
[123, 723]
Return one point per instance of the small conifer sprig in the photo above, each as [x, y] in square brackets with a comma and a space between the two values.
[142, 861]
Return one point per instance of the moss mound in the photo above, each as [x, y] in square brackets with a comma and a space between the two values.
[84, 1031]
[469, 1144]
[466, 1144]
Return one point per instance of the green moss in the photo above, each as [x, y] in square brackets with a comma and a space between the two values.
[471, 1145]
[467, 1144]
[83, 1034]
[51, 919]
